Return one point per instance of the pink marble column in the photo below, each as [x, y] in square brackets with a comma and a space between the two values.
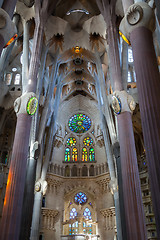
[134, 215]
[148, 84]
[11, 216]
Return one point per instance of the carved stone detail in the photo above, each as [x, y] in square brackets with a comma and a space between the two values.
[138, 15]
[49, 218]
[104, 184]
[127, 101]
[41, 186]
[110, 220]
[20, 104]
[53, 184]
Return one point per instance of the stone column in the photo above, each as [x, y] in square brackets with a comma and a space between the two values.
[41, 185]
[11, 216]
[9, 6]
[134, 215]
[110, 159]
[25, 55]
[148, 84]
[7, 28]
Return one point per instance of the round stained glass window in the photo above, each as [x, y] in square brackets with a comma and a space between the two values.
[71, 141]
[88, 141]
[79, 123]
[80, 198]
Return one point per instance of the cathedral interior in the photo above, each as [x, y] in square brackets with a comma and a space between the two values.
[79, 120]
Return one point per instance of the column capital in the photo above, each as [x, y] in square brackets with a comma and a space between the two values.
[41, 186]
[139, 14]
[122, 102]
[26, 104]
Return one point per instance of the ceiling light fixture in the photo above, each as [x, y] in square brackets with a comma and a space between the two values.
[77, 10]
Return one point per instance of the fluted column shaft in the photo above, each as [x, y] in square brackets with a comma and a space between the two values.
[135, 222]
[11, 217]
[148, 83]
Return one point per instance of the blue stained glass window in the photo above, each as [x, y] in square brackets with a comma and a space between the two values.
[73, 213]
[87, 213]
[80, 198]
[79, 123]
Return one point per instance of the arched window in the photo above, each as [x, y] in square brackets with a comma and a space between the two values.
[84, 155]
[87, 228]
[71, 150]
[88, 153]
[17, 79]
[130, 55]
[91, 155]
[67, 155]
[74, 155]
[73, 228]
[84, 171]
[87, 214]
[74, 171]
[91, 170]
[73, 213]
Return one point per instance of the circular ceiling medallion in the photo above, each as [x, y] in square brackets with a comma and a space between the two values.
[79, 123]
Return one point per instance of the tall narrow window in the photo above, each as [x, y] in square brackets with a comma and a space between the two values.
[73, 213]
[67, 155]
[8, 78]
[84, 155]
[91, 155]
[74, 155]
[130, 56]
[88, 154]
[71, 153]
[87, 228]
[73, 227]
[17, 79]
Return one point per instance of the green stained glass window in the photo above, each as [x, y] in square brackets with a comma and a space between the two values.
[91, 155]
[84, 155]
[74, 155]
[67, 155]
[79, 123]
[87, 141]
[71, 141]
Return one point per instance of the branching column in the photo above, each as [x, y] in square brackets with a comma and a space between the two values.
[148, 84]
[134, 215]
